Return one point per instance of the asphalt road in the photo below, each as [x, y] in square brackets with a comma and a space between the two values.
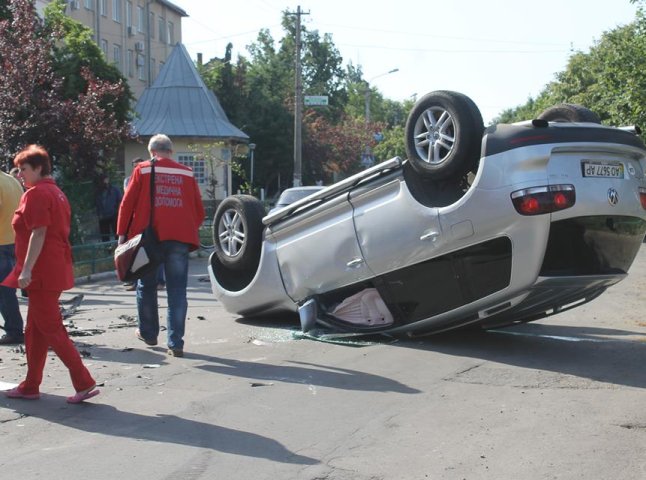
[562, 398]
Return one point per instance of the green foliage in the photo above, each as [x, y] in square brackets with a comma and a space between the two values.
[258, 95]
[607, 79]
[75, 51]
[81, 121]
[79, 131]
[393, 144]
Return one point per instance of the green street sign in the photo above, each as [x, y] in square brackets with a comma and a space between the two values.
[316, 100]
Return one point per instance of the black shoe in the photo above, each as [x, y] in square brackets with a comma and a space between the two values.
[152, 343]
[175, 352]
[9, 340]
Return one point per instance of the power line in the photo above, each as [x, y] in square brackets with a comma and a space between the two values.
[443, 37]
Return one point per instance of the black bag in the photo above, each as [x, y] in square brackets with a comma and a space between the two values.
[141, 254]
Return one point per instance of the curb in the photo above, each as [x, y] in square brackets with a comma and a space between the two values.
[95, 277]
[112, 274]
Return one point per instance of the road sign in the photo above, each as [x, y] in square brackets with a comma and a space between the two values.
[315, 100]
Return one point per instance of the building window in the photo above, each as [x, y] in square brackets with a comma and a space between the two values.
[116, 10]
[151, 25]
[171, 33]
[130, 69]
[141, 61]
[162, 30]
[129, 14]
[116, 55]
[104, 47]
[103, 7]
[197, 164]
[161, 66]
[89, 4]
[140, 19]
[152, 68]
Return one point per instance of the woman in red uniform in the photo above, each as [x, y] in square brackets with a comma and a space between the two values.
[44, 269]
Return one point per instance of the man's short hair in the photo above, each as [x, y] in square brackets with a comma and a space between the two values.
[160, 143]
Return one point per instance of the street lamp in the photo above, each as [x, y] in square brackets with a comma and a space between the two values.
[252, 147]
[368, 90]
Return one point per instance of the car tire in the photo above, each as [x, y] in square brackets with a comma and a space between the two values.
[443, 135]
[237, 232]
[569, 112]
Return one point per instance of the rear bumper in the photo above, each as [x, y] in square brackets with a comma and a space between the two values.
[553, 295]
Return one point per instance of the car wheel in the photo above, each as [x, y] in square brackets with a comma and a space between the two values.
[443, 135]
[569, 112]
[237, 232]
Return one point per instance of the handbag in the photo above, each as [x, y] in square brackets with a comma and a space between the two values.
[141, 254]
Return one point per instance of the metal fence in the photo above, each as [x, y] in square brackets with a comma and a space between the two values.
[92, 258]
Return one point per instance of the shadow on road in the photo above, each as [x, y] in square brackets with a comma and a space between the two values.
[586, 352]
[108, 420]
[304, 373]
[599, 354]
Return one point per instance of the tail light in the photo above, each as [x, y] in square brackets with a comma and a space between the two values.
[547, 199]
[642, 197]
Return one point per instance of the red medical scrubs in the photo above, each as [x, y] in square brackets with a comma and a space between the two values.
[45, 205]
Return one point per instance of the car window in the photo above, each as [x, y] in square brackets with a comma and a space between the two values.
[291, 196]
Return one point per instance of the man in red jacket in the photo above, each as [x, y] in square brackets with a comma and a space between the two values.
[178, 214]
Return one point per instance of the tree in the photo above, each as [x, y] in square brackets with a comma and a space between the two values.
[79, 132]
[258, 93]
[608, 79]
[76, 52]
[333, 150]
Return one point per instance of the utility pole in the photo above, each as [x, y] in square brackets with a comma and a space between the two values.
[298, 102]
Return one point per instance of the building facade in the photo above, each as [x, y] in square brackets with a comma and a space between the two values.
[136, 35]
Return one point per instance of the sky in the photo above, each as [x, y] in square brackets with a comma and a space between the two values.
[498, 52]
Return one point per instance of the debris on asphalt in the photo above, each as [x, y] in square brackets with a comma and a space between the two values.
[85, 353]
[126, 349]
[151, 365]
[18, 349]
[88, 332]
[69, 307]
[258, 384]
[343, 338]
[129, 321]
[204, 279]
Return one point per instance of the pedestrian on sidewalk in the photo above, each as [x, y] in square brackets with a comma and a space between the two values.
[178, 215]
[107, 202]
[10, 193]
[44, 268]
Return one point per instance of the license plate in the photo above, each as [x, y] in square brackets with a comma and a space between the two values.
[604, 170]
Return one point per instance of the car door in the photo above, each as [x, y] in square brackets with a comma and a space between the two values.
[393, 229]
[318, 251]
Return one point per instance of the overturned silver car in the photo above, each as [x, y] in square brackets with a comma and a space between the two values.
[488, 227]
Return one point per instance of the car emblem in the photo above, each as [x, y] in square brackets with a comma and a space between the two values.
[613, 196]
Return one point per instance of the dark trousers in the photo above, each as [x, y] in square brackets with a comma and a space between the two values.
[8, 300]
[108, 227]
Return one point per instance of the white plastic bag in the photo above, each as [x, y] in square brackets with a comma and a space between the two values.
[364, 308]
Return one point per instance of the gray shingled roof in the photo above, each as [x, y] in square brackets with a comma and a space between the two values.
[179, 104]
